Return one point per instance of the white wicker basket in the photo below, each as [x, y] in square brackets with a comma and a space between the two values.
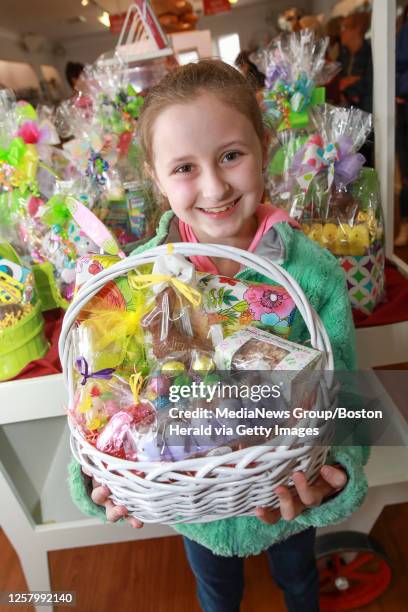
[204, 488]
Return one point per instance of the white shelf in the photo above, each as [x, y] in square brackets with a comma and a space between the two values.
[32, 398]
[377, 346]
[55, 500]
[387, 466]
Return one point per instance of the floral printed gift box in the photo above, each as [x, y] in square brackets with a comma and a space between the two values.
[235, 304]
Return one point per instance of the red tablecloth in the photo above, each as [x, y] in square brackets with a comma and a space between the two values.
[393, 310]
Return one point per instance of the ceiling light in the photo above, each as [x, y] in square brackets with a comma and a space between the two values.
[233, 1]
[104, 19]
[84, 2]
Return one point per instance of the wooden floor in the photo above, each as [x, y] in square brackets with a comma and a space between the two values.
[153, 575]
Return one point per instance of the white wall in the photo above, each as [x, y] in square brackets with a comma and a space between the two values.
[323, 6]
[84, 49]
[252, 23]
[10, 49]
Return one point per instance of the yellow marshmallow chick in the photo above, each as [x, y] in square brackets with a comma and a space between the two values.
[329, 236]
[342, 242]
[305, 228]
[315, 233]
[359, 240]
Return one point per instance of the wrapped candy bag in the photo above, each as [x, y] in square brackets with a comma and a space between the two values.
[338, 202]
[73, 231]
[110, 361]
[52, 235]
[102, 120]
[294, 65]
[296, 70]
[121, 333]
[21, 325]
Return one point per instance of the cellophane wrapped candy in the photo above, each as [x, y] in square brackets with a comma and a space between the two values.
[296, 70]
[145, 357]
[337, 200]
[101, 121]
[51, 234]
[295, 67]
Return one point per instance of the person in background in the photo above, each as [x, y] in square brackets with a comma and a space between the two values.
[356, 76]
[313, 23]
[249, 70]
[73, 71]
[401, 137]
[332, 30]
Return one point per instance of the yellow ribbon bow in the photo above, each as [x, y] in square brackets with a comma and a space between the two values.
[143, 281]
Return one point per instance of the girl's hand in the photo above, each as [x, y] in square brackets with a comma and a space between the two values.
[331, 480]
[100, 496]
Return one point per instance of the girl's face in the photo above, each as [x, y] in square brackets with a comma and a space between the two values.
[208, 164]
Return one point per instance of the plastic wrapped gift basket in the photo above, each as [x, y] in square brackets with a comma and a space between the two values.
[197, 483]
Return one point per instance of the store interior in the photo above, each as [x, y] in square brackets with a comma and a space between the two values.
[53, 54]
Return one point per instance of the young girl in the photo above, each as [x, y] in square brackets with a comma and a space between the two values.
[204, 145]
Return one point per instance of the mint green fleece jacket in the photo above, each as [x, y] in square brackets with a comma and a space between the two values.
[323, 282]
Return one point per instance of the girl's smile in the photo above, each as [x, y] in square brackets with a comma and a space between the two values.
[220, 212]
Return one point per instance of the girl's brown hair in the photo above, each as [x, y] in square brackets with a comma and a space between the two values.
[185, 83]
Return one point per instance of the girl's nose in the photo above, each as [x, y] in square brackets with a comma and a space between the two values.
[214, 186]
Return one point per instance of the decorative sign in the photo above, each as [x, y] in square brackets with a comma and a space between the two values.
[212, 7]
[116, 23]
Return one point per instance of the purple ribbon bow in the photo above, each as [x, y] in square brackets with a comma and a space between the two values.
[347, 168]
[345, 165]
[83, 369]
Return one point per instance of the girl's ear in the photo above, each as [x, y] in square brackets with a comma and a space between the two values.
[150, 173]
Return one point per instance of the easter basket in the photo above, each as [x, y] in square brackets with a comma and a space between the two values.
[214, 486]
[22, 336]
[337, 199]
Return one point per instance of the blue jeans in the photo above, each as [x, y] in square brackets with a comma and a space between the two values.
[220, 580]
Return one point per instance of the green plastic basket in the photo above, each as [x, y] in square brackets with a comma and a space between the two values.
[22, 343]
[48, 292]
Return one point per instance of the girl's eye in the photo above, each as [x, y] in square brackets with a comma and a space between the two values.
[231, 156]
[184, 169]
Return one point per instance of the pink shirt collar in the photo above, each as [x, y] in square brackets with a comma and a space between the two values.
[267, 215]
